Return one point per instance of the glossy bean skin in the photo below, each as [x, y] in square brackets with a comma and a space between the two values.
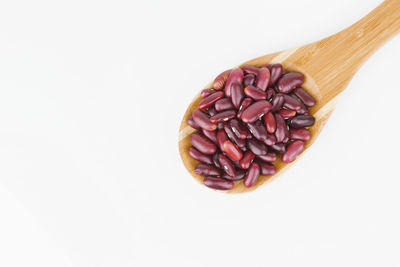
[270, 123]
[239, 175]
[249, 79]
[263, 78]
[281, 132]
[218, 183]
[302, 121]
[247, 160]
[290, 81]
[279, 148]
[223, 104]
[232, 151]
[227, 165]
[239, 129]
[212, 111]
[221, 138]
[202, 143]
[287, 114]
[194, 153]
[237, 94]
[203, 121]
[220, 80]
[255, 111]
[236, 75]
[301, 134]
[271, 93]
[292, 103]
[239, 142]
[252, 175]
[258, 131]
[292, 151]
[212, 135]
[277, 102]
[270, 140]
[257, 147]
[245, 104]
[223, 116]
[255, 93]
[206, 92]
[266, 169]
[305, 97]
[250, 69]
[192, 123]
[269, 157]
[211, 99]
[206, 170]
[276, 73]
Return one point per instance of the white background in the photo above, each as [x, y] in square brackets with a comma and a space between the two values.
[91, 98]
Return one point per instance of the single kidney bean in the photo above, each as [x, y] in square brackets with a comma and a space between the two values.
[255, 93]
[219, 82]
[206, 92]
[305, 97]
[270, 123]
[267, 169]
[256, 111]
[270, 140]
[235, 76]
[287, 114]
[221, 138]
[247, 160]
[292, 103]
[212, 135]
[223, 104]
[302, 121]
[192, 123]
[223, 116]
[270, 93]
[277, 102]
[300, 134]
[239, 142]
[249, 79]
[232, 151]
[257, 147]
[289, 81]
[276, 73]
[269, 157]
[203, 121]
[292, 151]
[202, 143]
[239, 175]
[279, 147]
[245, 104]
[211, 99]
[281, 132]
[239, 129]
[227, 165]
[205, 170]
[258, 131]
[263, 77]
[252, 175]
[194, 153]
[237, 94]
[218, 183]
[250, 69]
[216, 161]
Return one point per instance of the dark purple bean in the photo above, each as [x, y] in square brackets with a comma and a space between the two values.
[258, 131]
[239, 175]
[216, 161]
[192, 123]
[276, 73]
[203, 121]
[202, 143]
[252, 175]
[247, 160]
[219, 82]
[235, 76]
[211, 99]
[270, 140]
[263, 78]
[257, 147]
[223, 104]
[281, 132]
[218, 183]
[206, 92]
[279, 147]
[287, 114]
[305, 97]
[255, 93]
[300, 134]
[194, 153]
[302, 121]
[290, 81]
[249, 79]
[227, 165]
[269, 157]
[292, 151]
[223, 116]
[212, 135]
[245, 104]
[239, 129]
[250, 69]
[270, 93]
[232, 150]
[277, 102]
[239, 142]
[267, 169]
[256, 111]
[221, 138]
[292, 103]
[206, 170]
[270, 123]
[237, 94]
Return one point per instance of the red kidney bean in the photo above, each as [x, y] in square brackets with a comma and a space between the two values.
[255, 93]
[206, 92]
[256, 111]
[223, 104]
[287, 114]
[202, 143]
[302, 121]
[239, 175]
[269, 157]
[212, 135]
[192, 123]
[281, 132]
[258, 131]
[292, 103]
[277, 102]
[245, 104]
[205, 170]
[270, 140]
[267, 169]
[257, 147]
[227, 165]
[270, 93]
[232, 150]
[212, 111]
[211, 99]
[216, 161]
[218, 183]
[239, 142]
[289, 81]
[305, 97]
[247, 160]
[252, 175]
[270, 123]
[194, 153]
[263, 77]
[219, 82]
[250, 69]
[292, 151]
[249, 79]
[276, 73]
[237, 94]
[239, 129]
[279, 147]
[223, 116]
[235, 76]
[300, 134]
[203, 121]
[221, 138]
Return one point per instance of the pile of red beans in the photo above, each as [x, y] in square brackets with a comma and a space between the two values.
[251, 116]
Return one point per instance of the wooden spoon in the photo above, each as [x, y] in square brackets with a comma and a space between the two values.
[328, 66]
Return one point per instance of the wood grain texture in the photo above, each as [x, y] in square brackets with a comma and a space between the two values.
[328, 66]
